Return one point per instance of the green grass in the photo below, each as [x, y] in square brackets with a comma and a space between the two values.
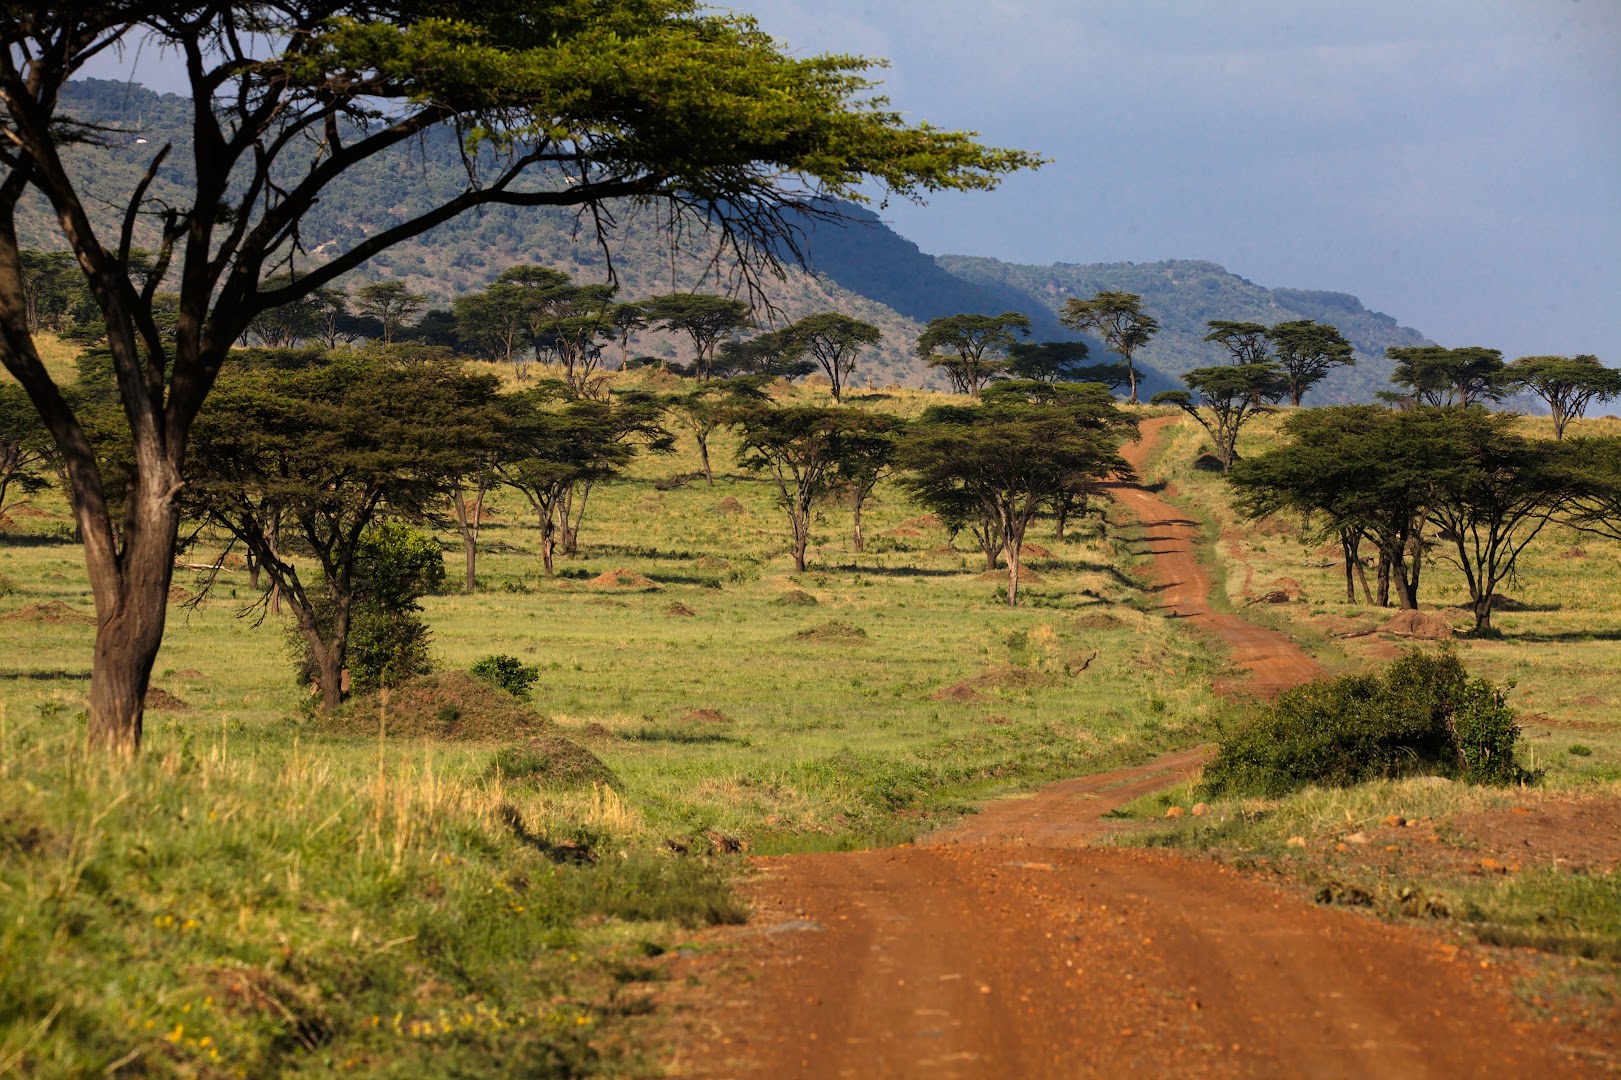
[1299, 836]
[347, 879]
[1561, 648]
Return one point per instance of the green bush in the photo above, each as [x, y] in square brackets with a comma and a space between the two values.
[1422, 715]
[509, 673]
[395, 566]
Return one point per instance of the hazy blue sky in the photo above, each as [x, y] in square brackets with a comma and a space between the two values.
[1456, 163]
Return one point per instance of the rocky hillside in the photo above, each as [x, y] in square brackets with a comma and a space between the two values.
[861, 267]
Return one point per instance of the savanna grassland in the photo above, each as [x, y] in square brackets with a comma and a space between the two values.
[389, 893]
[1529, 865]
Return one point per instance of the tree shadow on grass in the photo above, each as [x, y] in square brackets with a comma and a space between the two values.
[894, 571]
[1083, 566]
[679, 735]
[1534, 637]
[35, 540]
[44, 676]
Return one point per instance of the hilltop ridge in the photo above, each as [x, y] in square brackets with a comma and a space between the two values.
[860, 266]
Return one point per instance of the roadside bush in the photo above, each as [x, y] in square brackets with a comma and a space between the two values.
[509, 673]
[1422, 715]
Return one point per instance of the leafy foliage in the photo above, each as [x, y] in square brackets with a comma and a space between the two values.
[1005, 458]
[1120, 319]
[509, 673]
[971, 349]
[1422, 715]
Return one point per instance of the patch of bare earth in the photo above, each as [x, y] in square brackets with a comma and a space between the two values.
[51, 613]
[623, 579]
[992, 680]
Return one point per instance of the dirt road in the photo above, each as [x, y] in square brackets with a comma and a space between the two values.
[1273, 661]
[1003, 948]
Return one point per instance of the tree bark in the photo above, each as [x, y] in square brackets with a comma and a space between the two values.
[857, 539]
[703, 452]
[1384, 579]
[468, 522]
[1348, 549]
[1013, 573]
[131, 589]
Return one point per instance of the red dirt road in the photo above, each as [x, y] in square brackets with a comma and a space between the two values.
[1273, 661]
[1002, 948]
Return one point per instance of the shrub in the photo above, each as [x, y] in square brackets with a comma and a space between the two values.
[395, 566]
[1422, 715]
[509, 673]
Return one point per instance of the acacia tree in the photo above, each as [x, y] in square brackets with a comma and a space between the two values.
[568, 321]
[1229, 396]
[332, 318]
[802, 447]
[1489, 494]
[1245, 342]
[322, 452]
[1434, 375]
[868, 457]
[1568, 384]
[623, 321]
[25, 445]
[1119, 319]
[712, 406]
[834, 340]
[1058, 361]
[555, 448]
[467, 494]
[1013, 452]
[389, 302]
[971, 349]
[772, 354]
[494, 323]
[1594, 466]
[1355, 471]
[1307, 351]
[704, 318]
[651, 100]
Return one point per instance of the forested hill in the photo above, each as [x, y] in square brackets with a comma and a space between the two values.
[1185, 293]
[861, 267]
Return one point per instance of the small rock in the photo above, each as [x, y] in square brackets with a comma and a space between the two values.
[1395, 821]
[796, 926]
[1492, 866]
[1175, 811]
[1297, 841]
[1201, 809]
[1357, 838]
[1341, 847]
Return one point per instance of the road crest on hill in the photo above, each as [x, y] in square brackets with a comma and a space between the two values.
[1002, 947]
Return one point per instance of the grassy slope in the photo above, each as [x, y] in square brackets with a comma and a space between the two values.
[257, 895]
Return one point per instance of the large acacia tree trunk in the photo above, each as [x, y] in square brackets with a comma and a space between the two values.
[131, 590]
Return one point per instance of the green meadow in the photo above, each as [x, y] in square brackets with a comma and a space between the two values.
[269, 888]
